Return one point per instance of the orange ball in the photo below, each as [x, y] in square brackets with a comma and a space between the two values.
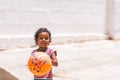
[39, 63]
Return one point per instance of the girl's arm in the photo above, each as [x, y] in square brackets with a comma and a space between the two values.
[54, 59]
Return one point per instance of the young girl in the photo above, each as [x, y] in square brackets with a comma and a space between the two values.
[43, 39]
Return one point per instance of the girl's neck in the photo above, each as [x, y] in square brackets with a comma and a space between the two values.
[42, 49]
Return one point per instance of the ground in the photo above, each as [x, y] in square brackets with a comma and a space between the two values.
[90, 60]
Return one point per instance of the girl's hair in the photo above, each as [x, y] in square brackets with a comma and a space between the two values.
[40, 30]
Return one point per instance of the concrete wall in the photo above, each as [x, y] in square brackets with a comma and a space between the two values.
[117, 19]
[23, 17]
[71, 20]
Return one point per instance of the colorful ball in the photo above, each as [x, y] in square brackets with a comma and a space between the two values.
[39, 63]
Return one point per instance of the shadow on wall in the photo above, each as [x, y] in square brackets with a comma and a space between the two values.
[4, 75]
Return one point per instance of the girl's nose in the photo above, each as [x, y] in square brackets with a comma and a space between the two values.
[43, 39]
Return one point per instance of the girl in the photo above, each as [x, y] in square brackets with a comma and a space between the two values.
[43, 39]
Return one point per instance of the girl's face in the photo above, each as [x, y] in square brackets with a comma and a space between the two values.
[43, 39]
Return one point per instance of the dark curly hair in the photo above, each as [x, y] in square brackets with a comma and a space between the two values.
[40, 30]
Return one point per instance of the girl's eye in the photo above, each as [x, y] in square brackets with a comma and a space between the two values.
[46, 38]
[43, 38]
[40, 38]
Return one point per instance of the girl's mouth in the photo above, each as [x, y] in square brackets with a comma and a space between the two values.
[43, 43]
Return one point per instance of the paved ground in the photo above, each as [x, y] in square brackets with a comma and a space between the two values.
[92, 60]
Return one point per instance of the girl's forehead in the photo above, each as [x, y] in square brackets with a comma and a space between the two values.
[43, 34]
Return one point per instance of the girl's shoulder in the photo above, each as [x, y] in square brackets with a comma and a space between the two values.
[33, 51]
[50, 51]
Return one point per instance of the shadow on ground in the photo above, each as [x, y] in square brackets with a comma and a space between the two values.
[4, 75]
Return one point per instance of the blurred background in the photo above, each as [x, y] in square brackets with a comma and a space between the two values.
[71, 22]
[68, 20]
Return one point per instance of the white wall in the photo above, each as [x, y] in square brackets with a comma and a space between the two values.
[117, 18]
[21, 18]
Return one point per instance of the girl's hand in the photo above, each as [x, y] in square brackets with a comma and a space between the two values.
[54, 59]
